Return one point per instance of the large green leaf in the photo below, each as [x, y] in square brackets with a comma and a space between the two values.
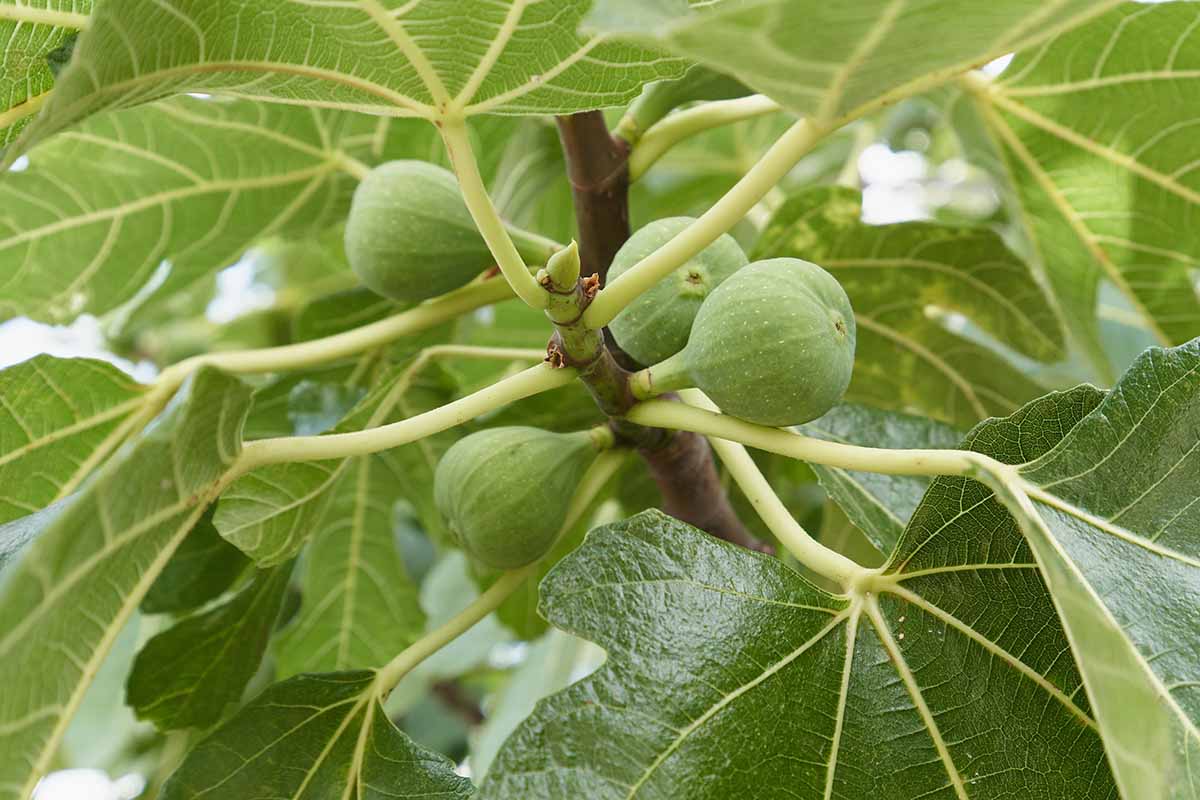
[879, 505]
[310, 738]
[1113, 523]
[170, 192]
[1099, 195]
[360, 605]
[58, 419]
[68, 597]
[186, 676]
[729, 675]
[830, 59]
[904, 281]
[32, 34]
[429, 59]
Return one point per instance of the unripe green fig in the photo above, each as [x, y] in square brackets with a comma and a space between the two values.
[504, 492]
[410, 236]
[773, 344]
[655, 326]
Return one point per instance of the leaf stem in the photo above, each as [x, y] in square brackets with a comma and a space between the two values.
[673, 129]
[727, 212]
[677, 416]
[44, 16]
[807, 550]
[487, 219]
[456, 626]
[343, 345]
[529, 382]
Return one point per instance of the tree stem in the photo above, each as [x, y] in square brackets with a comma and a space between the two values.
[682, 464]
[596, 166]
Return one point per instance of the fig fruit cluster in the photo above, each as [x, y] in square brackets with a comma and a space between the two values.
[504, 492]
[656, 325]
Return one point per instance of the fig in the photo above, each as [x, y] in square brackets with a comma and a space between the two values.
[773, 344]
[656, 325]
[410, 236]
[504, 492]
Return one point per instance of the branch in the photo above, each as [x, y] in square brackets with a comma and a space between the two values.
[682, 464]
[692, 491]
[596, 166]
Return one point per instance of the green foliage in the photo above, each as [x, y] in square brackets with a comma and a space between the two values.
[332, 725]
[361, 521]
[75, 586]
[655, 326]
[185, 676]
[505, 491]
[1047, 129]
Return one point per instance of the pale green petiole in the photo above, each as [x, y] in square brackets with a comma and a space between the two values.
[677, 416]
[670, 131]
[345, 445]
[665, 376]
[807, 550]
[487, 219]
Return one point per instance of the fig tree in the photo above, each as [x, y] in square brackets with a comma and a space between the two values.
[410, 236]
[504, 492]
[655, 326]
[773, 344]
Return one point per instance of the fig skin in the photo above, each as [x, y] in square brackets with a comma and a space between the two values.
[504, 492]
[773, 345]
[655, 326]
[410, 236]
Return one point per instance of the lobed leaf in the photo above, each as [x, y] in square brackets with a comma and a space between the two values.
[1112, 519]
[904, 280]
[310, 737]
[828, 60]
[59, 418]
[64, 602]
[32, 34]
[187, 675]
[729, 675]
[387, 57]
[200, 570]
[171, 193]
[1101, 196]
[360, 605]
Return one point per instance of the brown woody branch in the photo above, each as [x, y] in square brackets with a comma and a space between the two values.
[681, 463]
